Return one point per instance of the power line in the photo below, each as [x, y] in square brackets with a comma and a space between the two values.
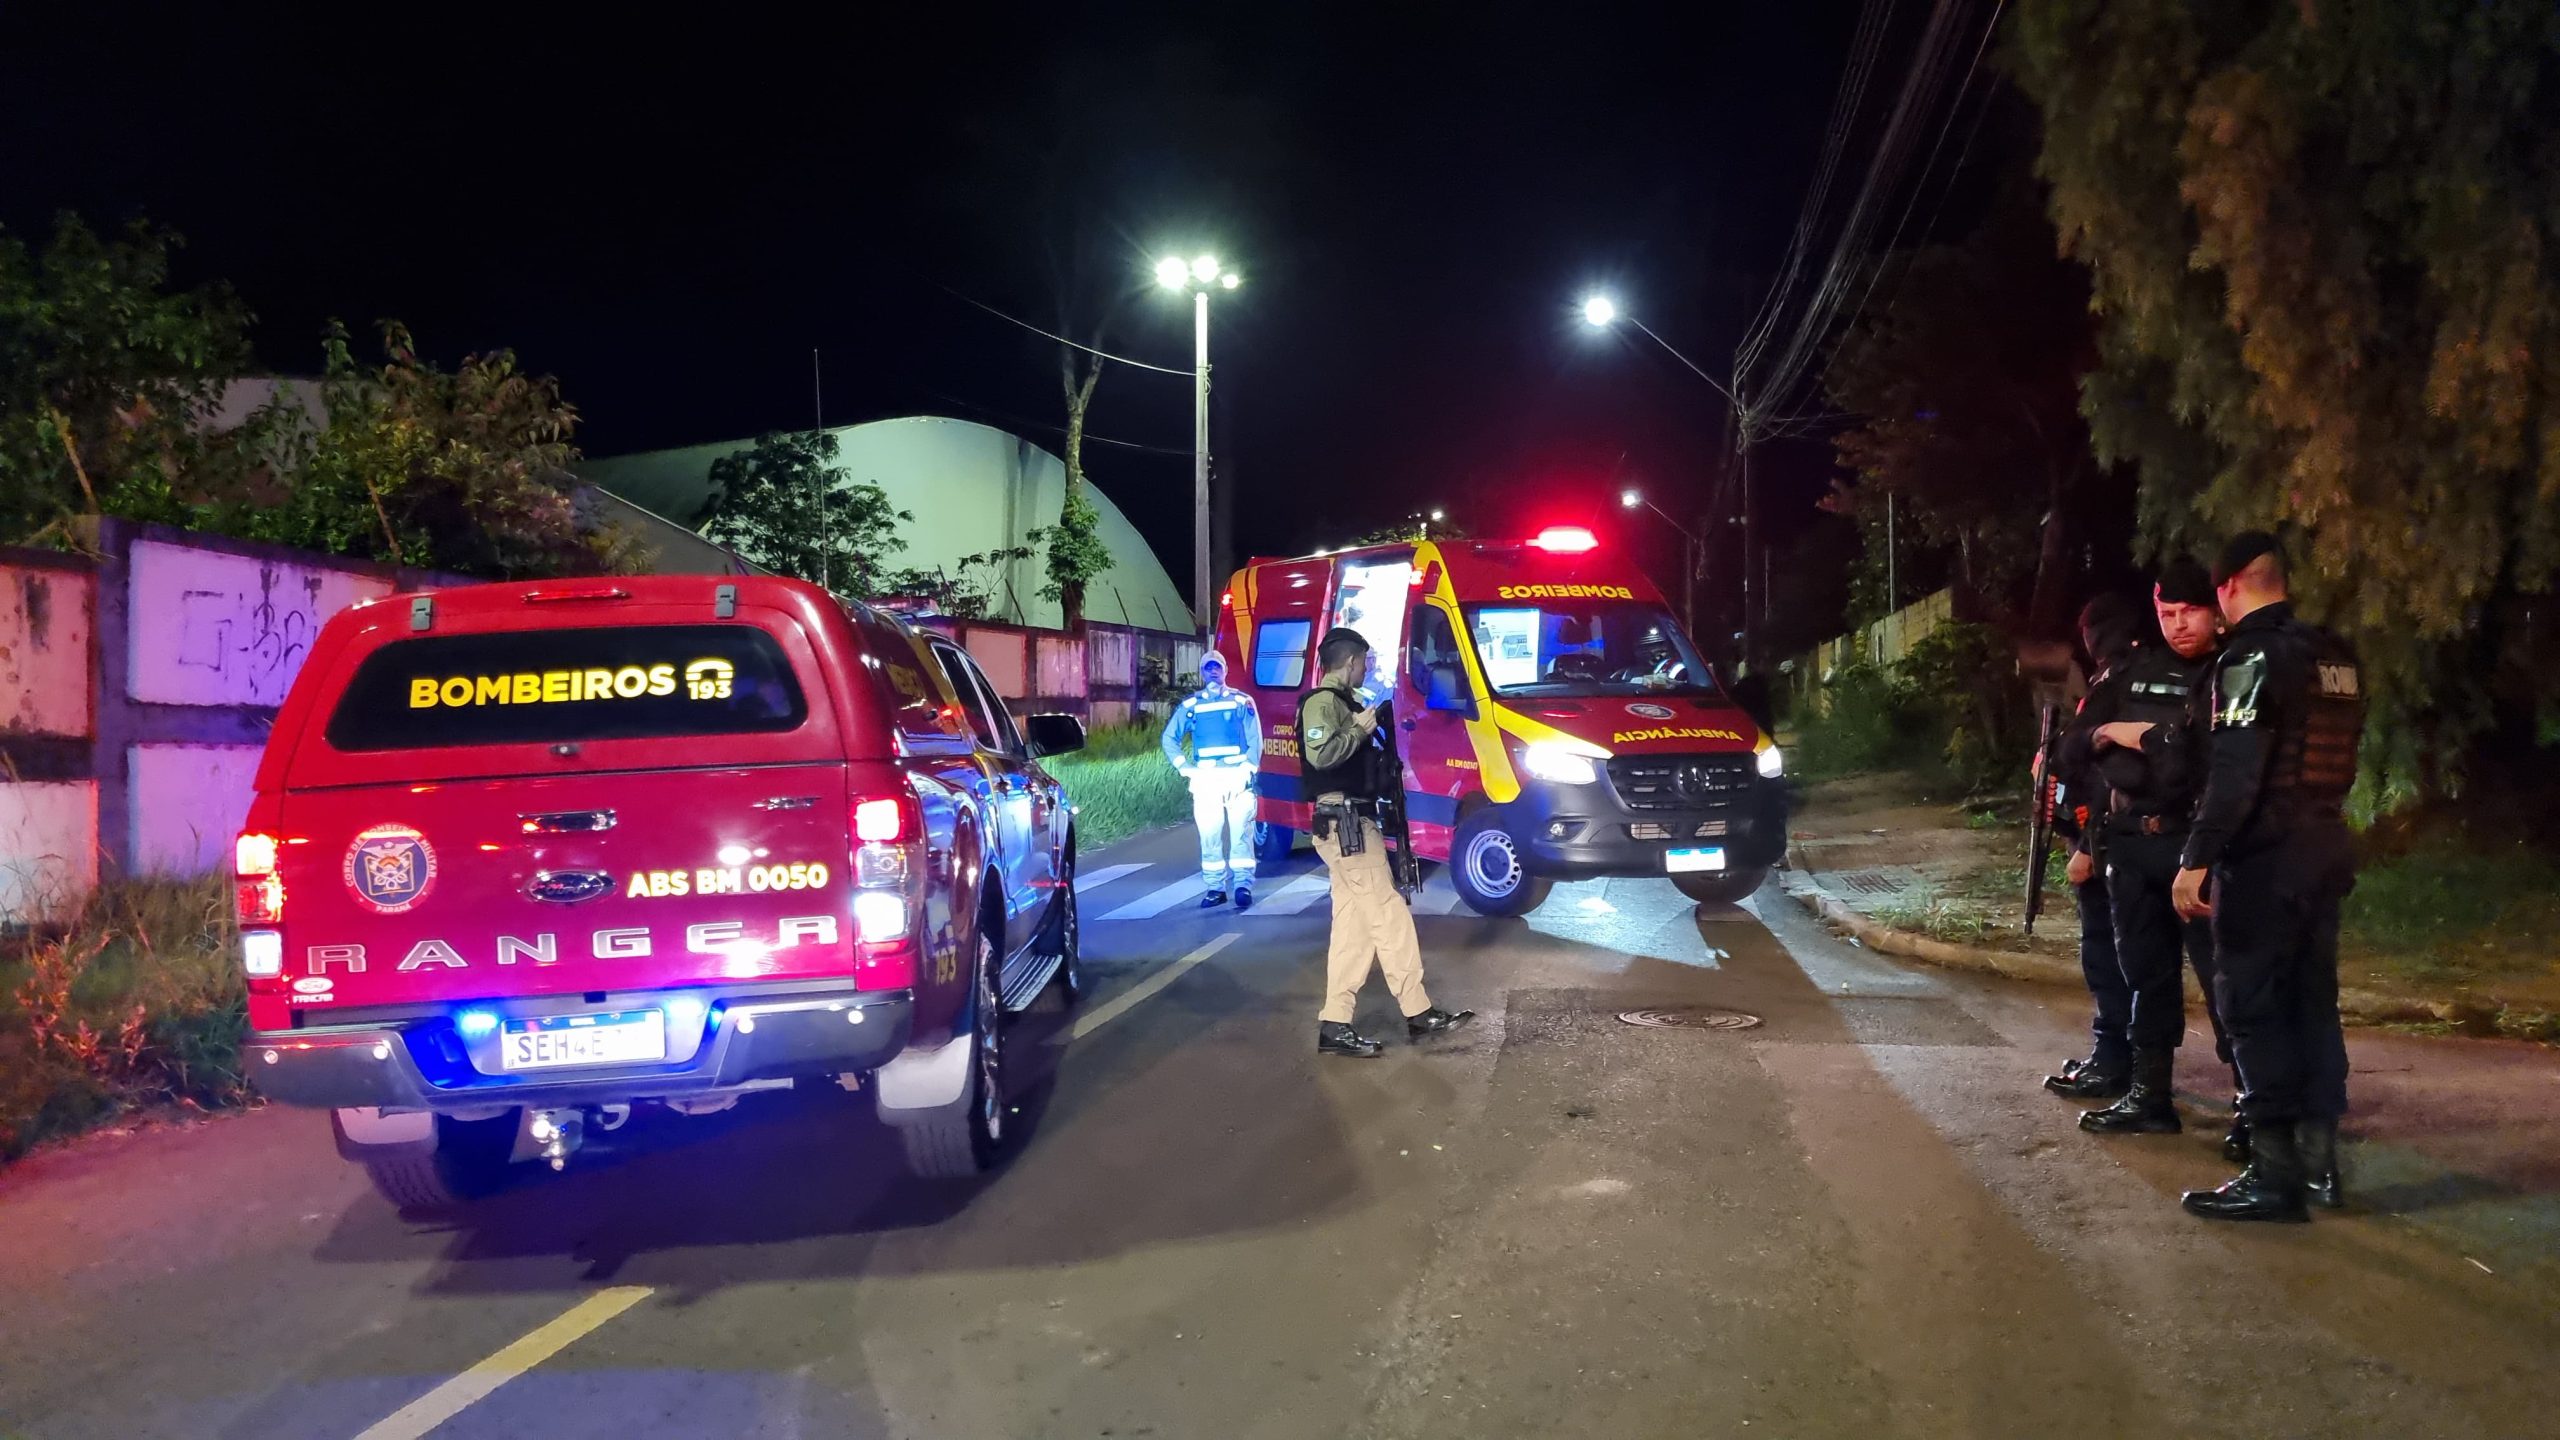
[1063, 340]
[1089, 437]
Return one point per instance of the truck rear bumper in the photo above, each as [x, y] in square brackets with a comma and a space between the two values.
[425, 1064]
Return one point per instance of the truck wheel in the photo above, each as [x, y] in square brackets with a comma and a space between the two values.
[1064, 939]
[1272, 843]
[965, 1138]
[1484, 865]
[467, 1161]
[1721, 887]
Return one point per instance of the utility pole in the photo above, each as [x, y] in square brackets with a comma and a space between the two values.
[1200, 468]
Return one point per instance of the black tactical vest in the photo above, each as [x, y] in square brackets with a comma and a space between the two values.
[2154, 687]
[1355, 777]
[2315, 747]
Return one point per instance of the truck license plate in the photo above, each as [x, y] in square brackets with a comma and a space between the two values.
[1683, 858]
[610, 1039]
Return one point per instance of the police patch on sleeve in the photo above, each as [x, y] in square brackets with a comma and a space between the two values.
[1316, 734]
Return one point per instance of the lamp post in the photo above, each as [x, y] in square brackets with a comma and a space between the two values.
[1601, 312]
[1199, 276]
[1689, 548]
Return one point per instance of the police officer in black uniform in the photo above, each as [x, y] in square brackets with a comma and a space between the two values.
[2270, 860]
[2110, 625]
[2151, 794]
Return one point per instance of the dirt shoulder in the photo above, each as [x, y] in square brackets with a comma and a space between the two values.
[1925, 875]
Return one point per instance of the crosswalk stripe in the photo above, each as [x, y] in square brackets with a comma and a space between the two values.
[1156, 902]
[1295, 896]
[1095, 879]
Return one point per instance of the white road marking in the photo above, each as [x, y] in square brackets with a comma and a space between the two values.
[1156, 902]
[1092, 879]
[413, 1420]
[1295, 896]
[1140, 993]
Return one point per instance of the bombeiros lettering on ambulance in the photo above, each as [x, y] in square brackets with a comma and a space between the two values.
[706, 679]
[1565, 592]
[628, 942]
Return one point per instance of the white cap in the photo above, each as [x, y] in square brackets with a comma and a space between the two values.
[1212, 658]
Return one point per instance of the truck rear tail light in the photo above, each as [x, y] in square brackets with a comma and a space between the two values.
[888, 831]
[259, 891]
[261, 954]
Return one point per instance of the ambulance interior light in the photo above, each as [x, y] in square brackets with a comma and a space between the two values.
[1565, 540]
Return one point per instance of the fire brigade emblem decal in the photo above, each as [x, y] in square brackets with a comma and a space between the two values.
[1651, 712]
[390, 868]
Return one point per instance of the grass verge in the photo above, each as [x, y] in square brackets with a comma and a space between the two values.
[1120, 785]
[136, 1002]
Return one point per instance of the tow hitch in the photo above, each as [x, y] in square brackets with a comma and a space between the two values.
[558, 1133]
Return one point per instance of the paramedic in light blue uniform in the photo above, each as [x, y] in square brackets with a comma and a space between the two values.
[1224, 736]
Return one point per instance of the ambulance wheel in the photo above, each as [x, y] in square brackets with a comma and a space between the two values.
[467, 1161]
[1272, 843]
[1721, 887]
[1484, 866]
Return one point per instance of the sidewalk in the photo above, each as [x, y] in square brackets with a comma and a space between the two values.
[1907, 875]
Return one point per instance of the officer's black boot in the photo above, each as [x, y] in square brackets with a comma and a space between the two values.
[2235, 1141]
[1244, 897]
[1213, 899]
[1435, 1021]
[2321, 1183]
[2270, 1189]
[1333, 1037]
[2148, 1108]
[2089, 1080]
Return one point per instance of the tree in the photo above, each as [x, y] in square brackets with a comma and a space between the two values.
[966, 588]
[107, 378]
[1965, 367]
[466, 470]
[2322, 251]
[786, 505]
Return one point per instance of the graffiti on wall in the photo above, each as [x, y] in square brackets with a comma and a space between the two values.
[211, 628]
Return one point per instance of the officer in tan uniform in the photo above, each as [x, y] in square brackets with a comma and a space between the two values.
[1344, 773]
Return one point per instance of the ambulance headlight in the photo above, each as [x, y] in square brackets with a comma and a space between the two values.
[1772, 763]
[1546, 760]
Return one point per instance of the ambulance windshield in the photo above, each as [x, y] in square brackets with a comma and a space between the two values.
[1586, 647]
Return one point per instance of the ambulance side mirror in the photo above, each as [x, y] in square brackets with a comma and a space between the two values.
[1448, 691]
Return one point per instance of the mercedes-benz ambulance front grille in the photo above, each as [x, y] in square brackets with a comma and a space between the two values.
[1681, 782]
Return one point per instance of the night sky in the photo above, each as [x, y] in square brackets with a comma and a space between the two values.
[669, 214]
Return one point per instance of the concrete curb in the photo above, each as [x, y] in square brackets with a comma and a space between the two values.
[2359, 1007]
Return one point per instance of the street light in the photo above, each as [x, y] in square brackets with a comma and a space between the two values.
[1601, 313]
[1631, 498]
[1199, 275]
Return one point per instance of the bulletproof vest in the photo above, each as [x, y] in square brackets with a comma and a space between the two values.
[2154, 687]
[1355, 777]
[2318, 731]
[1221, 729]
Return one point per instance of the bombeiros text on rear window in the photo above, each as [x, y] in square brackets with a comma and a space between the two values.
[518, 687]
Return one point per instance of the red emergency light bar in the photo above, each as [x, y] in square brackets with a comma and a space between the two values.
[1565, 540]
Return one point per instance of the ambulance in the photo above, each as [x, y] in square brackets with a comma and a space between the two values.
[1555, 722]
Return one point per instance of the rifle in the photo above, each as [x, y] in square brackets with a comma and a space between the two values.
[2040, 810]
[1389, 784]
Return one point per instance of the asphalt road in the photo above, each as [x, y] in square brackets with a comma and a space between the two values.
[1860, 1217]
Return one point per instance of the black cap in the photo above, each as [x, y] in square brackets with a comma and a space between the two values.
[2183, 582]
[2245, 549]
[2109, 624]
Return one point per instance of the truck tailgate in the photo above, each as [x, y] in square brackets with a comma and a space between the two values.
[546, 885]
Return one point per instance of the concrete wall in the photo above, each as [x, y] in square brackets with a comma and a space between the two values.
[1880, 644]
[137, 686]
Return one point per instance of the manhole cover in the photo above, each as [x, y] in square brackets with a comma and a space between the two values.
[1690, 1017]
[1869, 882]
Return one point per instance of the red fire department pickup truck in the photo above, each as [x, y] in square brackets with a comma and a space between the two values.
[1556, 722]
[524, 856]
